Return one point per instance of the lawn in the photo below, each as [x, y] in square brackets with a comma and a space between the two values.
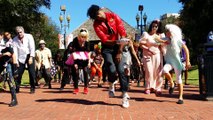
[193, 78]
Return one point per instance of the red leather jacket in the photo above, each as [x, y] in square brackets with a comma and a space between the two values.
[115, 22]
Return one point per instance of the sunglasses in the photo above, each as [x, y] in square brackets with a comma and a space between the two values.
[83, 30]
[19, 32]
[155, 26]
[7, 34]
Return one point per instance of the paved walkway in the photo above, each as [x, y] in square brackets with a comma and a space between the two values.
[52, 104]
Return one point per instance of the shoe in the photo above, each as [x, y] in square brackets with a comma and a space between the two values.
[152, 90]
[45, 85]
[61, 89]
[179, 101]
[99, 86]
[187, 84]
[124, 94]
[125, 102]
[76, 91]
[171, 90]
[13, 103]
[158, 93]
[147, 91]
[111, 94]
[111, 90]
[32, 90]
[86, 90]
[50, 86]
[17, 89]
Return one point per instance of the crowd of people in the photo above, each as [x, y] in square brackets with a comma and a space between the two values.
[118, 56]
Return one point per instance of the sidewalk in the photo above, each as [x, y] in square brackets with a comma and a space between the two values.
[52, 104]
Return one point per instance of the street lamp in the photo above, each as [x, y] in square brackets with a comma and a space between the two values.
[64, 24]
[144, 20]
[139, 17]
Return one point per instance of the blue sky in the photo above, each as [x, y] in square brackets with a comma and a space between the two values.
[126, 9]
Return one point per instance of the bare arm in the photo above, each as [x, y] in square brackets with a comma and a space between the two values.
[134, 53]
[186, 50]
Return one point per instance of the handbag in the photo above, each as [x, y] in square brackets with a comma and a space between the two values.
[53, 70]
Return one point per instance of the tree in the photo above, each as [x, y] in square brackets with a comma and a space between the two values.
[26, 13]
[196, 21]
[21, 12]
[48, 31]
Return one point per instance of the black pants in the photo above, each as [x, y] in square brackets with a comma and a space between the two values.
[66, 76]
[75, 76]
[44, 73]
[31, 72]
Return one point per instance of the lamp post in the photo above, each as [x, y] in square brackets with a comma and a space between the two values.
[144, 20]
[64, 24]
[141, 17]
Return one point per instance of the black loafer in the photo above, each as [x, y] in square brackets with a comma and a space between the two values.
[171, 90]
[180, 102]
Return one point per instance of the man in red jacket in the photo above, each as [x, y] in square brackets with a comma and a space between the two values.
[109, 28]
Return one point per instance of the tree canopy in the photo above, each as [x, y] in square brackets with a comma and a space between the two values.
[196, 21]
[27, 13]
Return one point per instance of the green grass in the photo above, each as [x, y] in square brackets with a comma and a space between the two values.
[25, 80]
[193, 78]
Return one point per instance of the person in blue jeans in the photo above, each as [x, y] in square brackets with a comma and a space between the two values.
[109, 28]
[7, 55]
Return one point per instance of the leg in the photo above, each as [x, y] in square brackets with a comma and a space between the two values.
[180, 85]
[14, 101]
[104, 73]
[86, 81]
[111, 69]
[21, 69]
[166, 70]
[31, 70]
[124, 81]
[186, 77]
[92, 73]
[99, 76]
[75, 77]
[47, 77]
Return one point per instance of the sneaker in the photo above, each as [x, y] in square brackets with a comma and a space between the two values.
[158, 93]
[152, 90]
[111, 90]
[171, 90]
[147, 91]
[99, 86]
[86, 90]
[125, 102]
[124, 94]
[76, 91]
[179, 101]
[32, 90]
[111, 94]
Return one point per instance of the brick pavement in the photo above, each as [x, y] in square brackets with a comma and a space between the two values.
[52, 104]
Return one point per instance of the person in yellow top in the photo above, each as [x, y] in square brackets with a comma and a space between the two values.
[43, 58]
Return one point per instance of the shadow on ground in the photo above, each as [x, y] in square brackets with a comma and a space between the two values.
[77, 101]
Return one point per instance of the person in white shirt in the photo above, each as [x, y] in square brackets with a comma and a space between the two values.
[24, 48]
